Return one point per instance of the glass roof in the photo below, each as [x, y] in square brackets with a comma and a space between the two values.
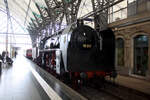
[22, 10]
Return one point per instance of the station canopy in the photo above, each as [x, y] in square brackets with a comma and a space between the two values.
[22, 10]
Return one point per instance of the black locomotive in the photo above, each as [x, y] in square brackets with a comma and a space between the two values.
[79, 51]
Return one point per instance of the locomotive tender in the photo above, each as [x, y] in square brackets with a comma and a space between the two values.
[80, 51]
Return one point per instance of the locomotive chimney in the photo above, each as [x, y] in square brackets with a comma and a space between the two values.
[79, 22]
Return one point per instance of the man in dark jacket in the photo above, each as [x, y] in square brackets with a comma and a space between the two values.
[3, 56]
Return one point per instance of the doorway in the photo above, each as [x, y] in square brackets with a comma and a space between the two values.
[140, 55]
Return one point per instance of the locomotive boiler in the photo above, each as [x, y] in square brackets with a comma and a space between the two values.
[80, 51]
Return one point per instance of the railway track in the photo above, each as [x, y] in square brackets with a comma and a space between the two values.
[111, 91]
[94, 94]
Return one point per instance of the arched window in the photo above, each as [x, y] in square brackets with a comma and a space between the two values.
[120, 51]
[140, 55]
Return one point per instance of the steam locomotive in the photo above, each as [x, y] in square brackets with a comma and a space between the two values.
[79, 51]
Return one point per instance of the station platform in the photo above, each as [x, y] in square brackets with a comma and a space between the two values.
[24, 80]
[133, 83]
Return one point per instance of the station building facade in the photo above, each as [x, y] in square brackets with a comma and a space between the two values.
[133, 41]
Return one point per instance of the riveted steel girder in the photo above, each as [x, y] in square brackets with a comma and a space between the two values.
[55, 12]
[44, 15]
[32, 35]
[71, 8]
[34, 23]
[38, 19]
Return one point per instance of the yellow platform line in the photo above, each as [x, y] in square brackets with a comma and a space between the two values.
[49, 91]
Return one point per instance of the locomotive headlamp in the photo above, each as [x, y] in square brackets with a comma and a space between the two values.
[87, 45]
[84, 34]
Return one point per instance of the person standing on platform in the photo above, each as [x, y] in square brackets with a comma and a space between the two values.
[0, 67]
[3, 56]
[0, 63]
[15, 54]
